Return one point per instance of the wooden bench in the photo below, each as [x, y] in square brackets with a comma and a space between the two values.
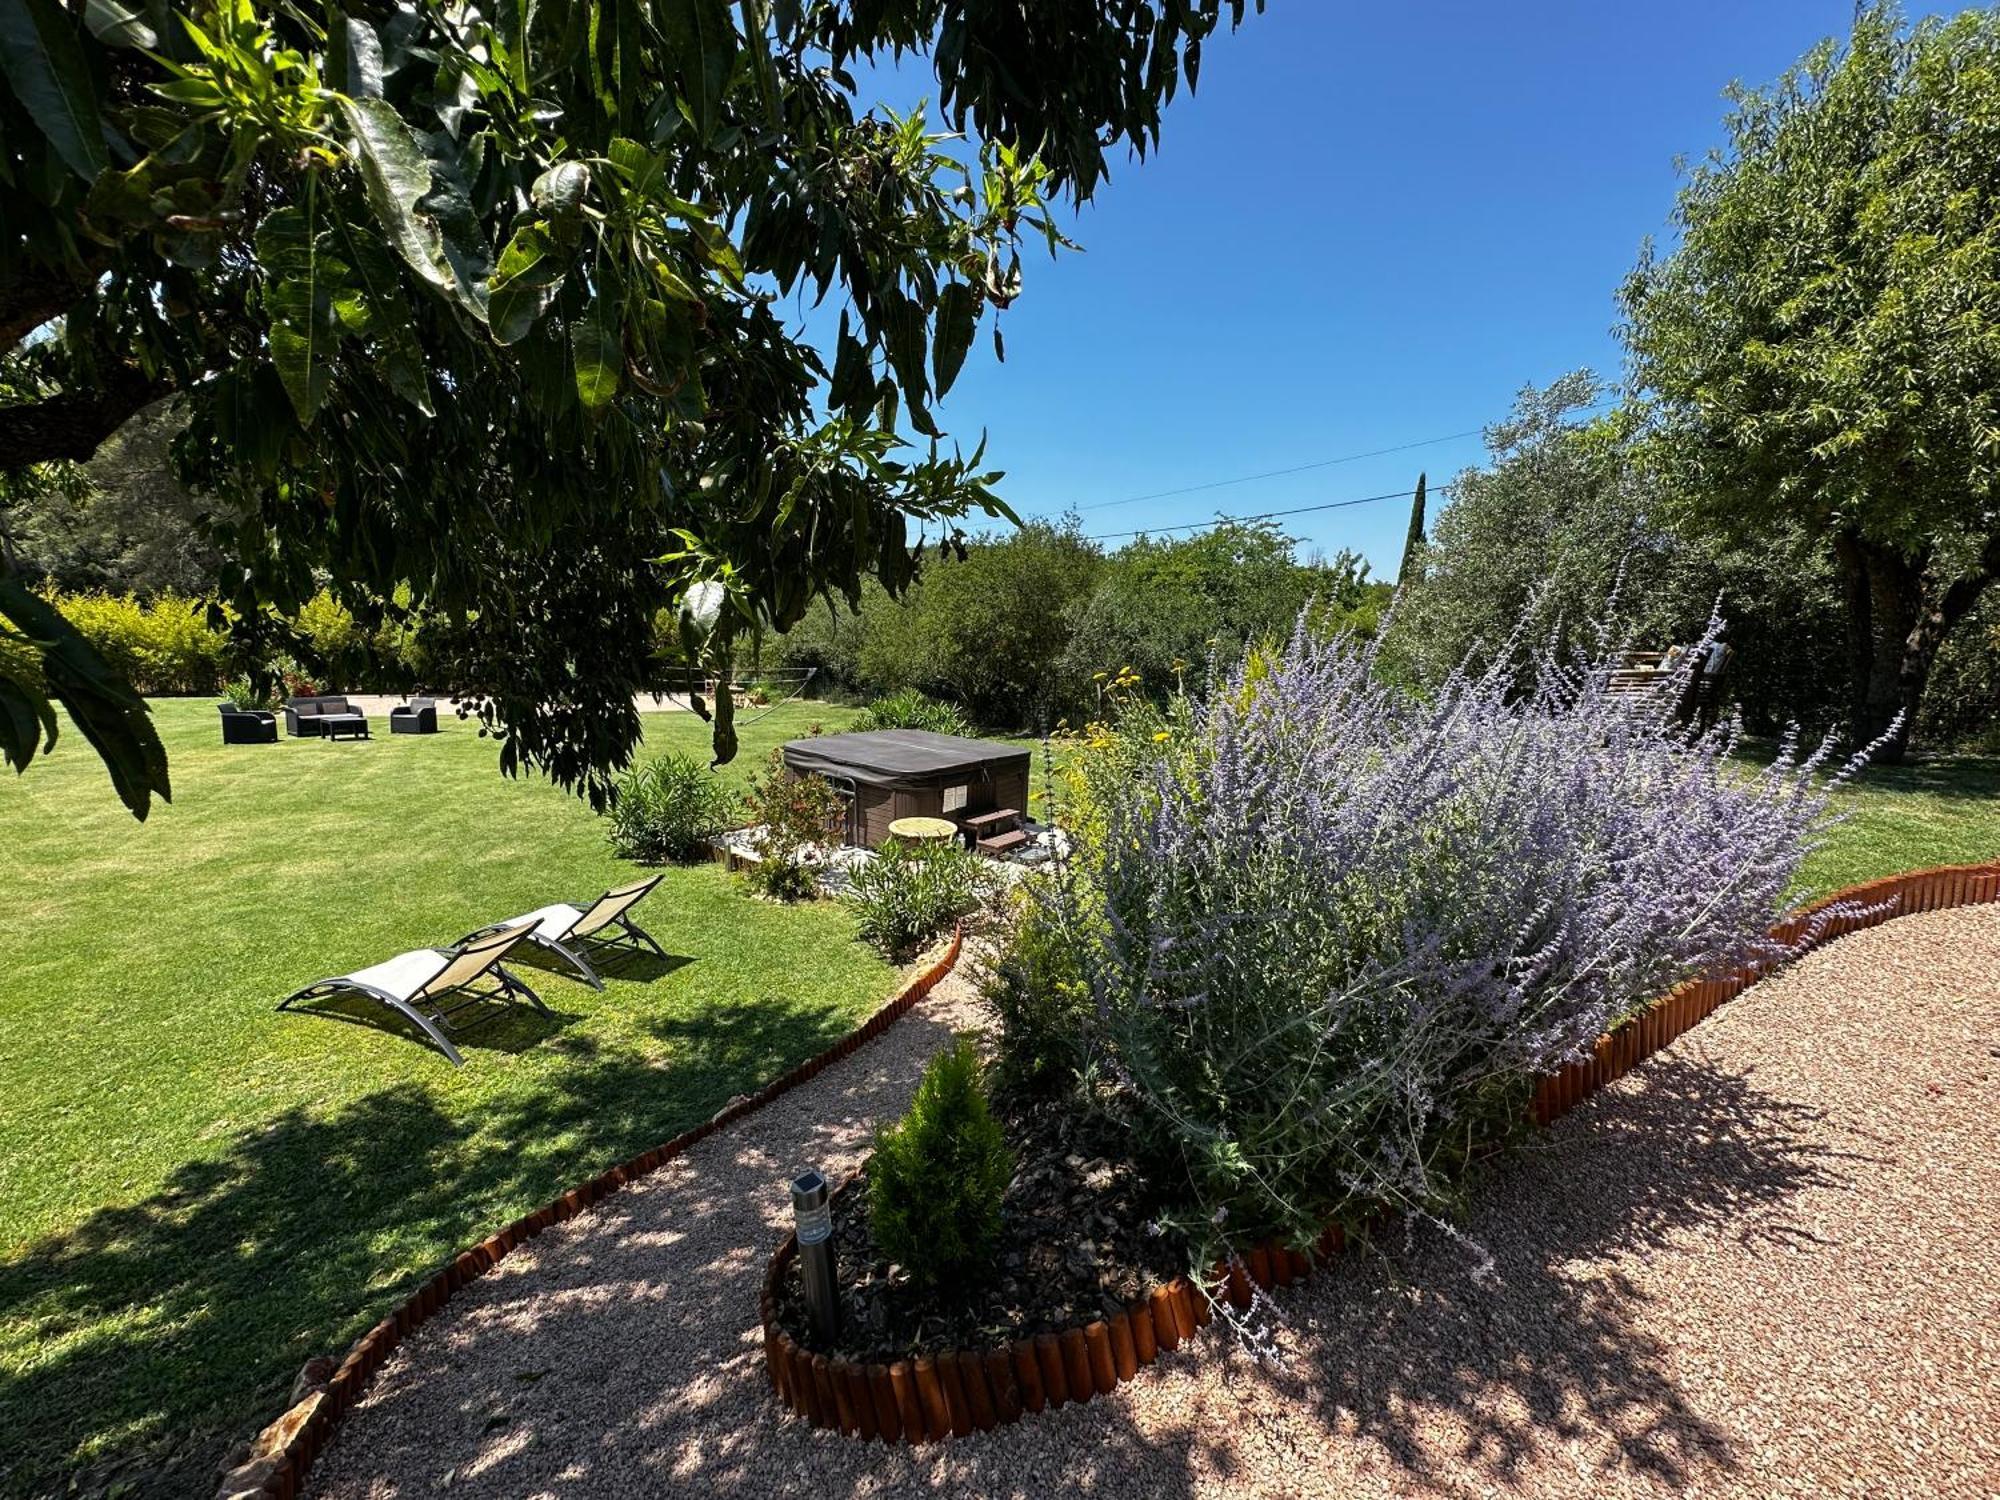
[997, 831]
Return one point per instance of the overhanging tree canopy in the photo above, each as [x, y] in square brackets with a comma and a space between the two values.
[478, 298]
[1823, 348]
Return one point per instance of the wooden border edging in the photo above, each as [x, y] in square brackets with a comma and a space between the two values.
[949, 1394]
[302, 1434]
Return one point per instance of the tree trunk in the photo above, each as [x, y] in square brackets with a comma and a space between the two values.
[1860, 629]
[1897, 619]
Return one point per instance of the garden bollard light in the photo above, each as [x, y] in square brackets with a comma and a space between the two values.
[813, 1224]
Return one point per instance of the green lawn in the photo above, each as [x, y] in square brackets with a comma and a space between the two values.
[200, 1193]
[1936, 811]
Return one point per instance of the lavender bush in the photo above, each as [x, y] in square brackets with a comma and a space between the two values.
[1333, 932]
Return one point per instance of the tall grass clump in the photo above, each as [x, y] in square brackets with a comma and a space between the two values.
[1332, 932]
[910, 709]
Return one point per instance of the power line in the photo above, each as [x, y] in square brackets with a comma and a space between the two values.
[1323, 463]
[1269, 515]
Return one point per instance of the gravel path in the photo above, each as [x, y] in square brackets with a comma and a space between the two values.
[1762, 1265]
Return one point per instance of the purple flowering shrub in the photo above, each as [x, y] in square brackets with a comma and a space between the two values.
[1332, 932]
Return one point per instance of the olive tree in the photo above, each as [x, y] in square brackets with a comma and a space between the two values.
[1564, 536]
[477, 304]
[1822, 347]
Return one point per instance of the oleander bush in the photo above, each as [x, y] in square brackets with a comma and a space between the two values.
[937, 1176]
[240, 692]
[910, 709]
[909, 894]
[1330, 932]
[798, 820]
[668, 810]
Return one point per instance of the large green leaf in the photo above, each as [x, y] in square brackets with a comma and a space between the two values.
[599, 355]
[303, 282]
[112, 717]
[389, 318]
[354, 57]
[957, 321]
[530, 273]
[42, 57]
[116, 26]
[27, 718]
[703, 40]
[397, 177]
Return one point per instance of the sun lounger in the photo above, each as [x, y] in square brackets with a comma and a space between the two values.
[603, 927]
[413, 984]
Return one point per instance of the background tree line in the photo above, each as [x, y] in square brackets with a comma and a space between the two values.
[1021, 629]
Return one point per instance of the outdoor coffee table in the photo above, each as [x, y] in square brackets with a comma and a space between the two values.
[345, 726]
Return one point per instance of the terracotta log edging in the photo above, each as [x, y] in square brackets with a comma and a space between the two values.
[1050, 1370]
[287, 1476]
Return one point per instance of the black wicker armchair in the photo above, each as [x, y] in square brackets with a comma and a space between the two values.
[418, 716]
[247, 726]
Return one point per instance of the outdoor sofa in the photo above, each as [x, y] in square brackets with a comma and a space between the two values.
[418, 716]
[314, 715]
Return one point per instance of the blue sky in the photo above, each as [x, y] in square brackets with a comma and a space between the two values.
[1371, 226]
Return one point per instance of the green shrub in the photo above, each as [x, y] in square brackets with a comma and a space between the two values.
[667, 809]
[1038, 989]
[333, 638]
[242, 693]
[167, 646]
[910, 709]
[908, 894]
[937, 1177]
[799, 816]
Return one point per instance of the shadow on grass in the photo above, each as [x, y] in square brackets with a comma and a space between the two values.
[176, 1324]
[1969, 778]
[164, 1331]
[510, 1027]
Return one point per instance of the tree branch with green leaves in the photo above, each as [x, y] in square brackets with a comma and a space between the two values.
[483, 301]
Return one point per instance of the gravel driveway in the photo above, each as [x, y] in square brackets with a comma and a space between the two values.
[1764, 1264]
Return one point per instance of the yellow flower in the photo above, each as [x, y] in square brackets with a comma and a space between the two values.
[1162, 735]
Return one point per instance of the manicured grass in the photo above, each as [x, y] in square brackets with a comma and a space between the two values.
[197, 1193]
[1942, 810]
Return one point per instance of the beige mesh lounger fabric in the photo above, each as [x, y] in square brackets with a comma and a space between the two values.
[412, 984]
[603, 927]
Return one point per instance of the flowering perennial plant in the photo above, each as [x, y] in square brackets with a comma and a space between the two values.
[1332, 932]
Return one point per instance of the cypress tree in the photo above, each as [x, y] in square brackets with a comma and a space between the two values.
[1413, 545]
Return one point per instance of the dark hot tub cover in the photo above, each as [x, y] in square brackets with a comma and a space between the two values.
[902, 757]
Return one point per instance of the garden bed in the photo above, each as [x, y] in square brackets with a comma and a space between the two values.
[1079, 1241]
[988, 1382]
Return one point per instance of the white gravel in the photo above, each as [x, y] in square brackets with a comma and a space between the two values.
[1763, 1264]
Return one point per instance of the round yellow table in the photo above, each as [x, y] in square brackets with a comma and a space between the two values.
[923, 830]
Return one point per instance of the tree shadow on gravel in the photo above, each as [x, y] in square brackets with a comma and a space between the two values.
[1443, 1382]
[1471, 1373]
